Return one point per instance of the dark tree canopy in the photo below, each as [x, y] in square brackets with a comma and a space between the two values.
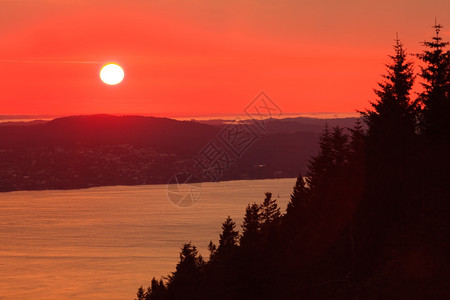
[370, 220]
[298, 195]
[435, 99]
[270, 212]
[251, 225]
[228, 239]
[392, 119]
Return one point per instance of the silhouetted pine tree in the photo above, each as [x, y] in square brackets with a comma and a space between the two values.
[298, 195]
[390, 142]
[325, 174]
[212, 248]
[270, 212]
[148, 293]
[156, 291]
[435, 98]
[339, 150]
[392, 120]
[433, 190]
[187, 281]
[251, 225]
[389, 149]
[320, 164]
[222, 271]
[356, 146]
[140, 294]
[332, 157]
[228, 238]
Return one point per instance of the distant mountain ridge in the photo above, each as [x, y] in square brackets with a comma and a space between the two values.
[106, 129]
[94, 150]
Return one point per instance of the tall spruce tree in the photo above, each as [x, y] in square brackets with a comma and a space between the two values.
[298, 196]
[140, 294]
[392, 120]
[339, 147]
[391, 138]
[270, 212]
[156, 290]
[389, 148]
[228, 238]
[251, 224]
[212, 248]
[356, 145]
[332, 157]
[435, 99]
[185, 282]
[320, 164]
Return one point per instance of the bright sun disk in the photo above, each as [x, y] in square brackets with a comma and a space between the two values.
[112, 74]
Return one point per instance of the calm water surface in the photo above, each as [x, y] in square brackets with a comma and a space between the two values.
[103, 243]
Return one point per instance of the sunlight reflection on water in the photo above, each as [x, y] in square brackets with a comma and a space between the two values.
[105, 242]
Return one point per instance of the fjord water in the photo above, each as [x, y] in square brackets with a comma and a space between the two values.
[103, 243]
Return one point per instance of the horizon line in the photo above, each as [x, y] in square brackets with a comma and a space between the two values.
[48, 117]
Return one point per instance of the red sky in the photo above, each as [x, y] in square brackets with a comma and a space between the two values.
[200, 57]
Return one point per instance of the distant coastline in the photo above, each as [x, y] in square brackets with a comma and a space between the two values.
[225, 116]
[105, 150]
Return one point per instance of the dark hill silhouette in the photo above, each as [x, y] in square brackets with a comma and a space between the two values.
[95, 150]
[108, 130]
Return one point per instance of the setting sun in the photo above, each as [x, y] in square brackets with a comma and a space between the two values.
[111, 74]
[255, 150]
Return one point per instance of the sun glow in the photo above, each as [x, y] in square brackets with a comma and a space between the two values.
[112, 74]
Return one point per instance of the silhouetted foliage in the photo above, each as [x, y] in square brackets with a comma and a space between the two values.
[370, 220]
[212, 250]
[228, 238]
[156, 291]
[185, 282]
[393, 118]
[140, 294]
[270, 212]
[251, 225]
[298, 194]
[319, 165]
[435, 97]
[390, 143]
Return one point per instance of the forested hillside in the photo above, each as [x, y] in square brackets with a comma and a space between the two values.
[369, 219]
